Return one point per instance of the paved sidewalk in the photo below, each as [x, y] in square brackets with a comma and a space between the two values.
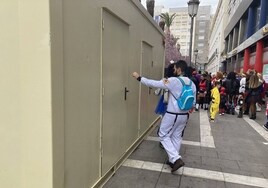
[230, 153]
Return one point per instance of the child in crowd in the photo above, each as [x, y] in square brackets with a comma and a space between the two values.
[215, 101]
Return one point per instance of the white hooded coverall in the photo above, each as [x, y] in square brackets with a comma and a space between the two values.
[174, 120]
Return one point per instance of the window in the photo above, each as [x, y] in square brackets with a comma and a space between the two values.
[201, 31]
[202, 23]
[200, 44]
[183, 29]
[201, 37]
[257, 12]
[202, 16]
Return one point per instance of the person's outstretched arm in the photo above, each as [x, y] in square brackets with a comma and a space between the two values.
[151, 83]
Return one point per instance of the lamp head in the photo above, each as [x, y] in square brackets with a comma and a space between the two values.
[193, 7]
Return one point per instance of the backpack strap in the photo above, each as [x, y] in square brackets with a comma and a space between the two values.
[183, 83]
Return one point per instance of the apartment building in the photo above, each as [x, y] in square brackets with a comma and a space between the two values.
[201, 37]
[181, 30]
[246, 41]
[216, 54]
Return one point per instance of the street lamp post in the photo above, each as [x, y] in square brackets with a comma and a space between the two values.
[192, 11]
[195, 57]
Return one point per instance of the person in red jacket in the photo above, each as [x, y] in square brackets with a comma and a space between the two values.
[203, 92]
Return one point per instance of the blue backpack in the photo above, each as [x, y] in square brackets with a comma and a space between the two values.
[186, 100]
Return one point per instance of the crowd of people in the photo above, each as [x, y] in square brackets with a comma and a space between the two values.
[242, 91]
[220, 93]
[245, 91]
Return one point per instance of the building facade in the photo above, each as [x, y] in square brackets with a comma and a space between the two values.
[201, 37]
[217, 54]
[246, 42]
[181, 30]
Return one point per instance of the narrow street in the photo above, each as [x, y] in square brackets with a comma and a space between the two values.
[230, 153]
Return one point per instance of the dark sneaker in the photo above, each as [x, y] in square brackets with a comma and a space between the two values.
[170, 164]
[178, 163]
[265, 127]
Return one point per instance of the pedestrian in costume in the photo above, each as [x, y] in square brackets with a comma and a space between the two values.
[246, 92]
[215, 101]
[202, 96]
[254, 95]
[174, 120]
[231, 85]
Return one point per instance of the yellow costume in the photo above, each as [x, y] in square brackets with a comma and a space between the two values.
[215, 98]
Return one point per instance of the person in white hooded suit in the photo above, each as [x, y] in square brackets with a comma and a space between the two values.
[174, 121]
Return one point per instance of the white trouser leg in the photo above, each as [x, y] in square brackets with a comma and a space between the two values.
[170, 134]
[176, 137]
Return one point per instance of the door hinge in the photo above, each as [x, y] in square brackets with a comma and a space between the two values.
[103, 91]
[102, 24]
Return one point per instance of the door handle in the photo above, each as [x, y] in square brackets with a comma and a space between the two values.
[150, 90]
[126, 91]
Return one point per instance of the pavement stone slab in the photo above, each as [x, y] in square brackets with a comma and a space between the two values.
[243, 172]
[192, 160]
[222, 163]
[149, 151]
[193, 151]
[192, 130]
[253, 167]
[168, 180]
[234, 185]
[209, 152]
[126, 177]
[192, 182]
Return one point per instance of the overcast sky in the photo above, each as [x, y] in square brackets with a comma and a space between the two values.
[183, 3]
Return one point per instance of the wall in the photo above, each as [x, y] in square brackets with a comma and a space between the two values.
[89, 122]
[25, 131]
[60, 124]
